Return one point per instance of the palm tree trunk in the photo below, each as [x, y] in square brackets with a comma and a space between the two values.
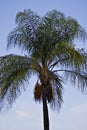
[45, 112]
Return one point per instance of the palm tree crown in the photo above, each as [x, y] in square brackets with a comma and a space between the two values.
[51, 55]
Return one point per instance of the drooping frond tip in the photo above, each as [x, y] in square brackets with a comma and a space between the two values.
[14, 73]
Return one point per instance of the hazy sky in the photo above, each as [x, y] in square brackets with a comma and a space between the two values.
[25, 113]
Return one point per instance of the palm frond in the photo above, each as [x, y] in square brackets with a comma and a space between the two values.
[77, 78]
[66, 55]
[75, 29]
[57, 91]
[67, 28]
[26, 17]
[24, 35]
[14, 73]
[21, 37]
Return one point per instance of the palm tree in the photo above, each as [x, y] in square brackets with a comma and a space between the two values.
[51, 54]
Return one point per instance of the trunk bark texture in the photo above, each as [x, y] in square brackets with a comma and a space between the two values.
[45, 112]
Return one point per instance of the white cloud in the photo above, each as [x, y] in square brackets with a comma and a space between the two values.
[22, 113]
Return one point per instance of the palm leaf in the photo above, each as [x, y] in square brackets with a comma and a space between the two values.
[57, 90]
[65, 56]
[24, 35]
[14, 72]
[77, 78]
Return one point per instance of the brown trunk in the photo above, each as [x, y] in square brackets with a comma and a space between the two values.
[45, 112]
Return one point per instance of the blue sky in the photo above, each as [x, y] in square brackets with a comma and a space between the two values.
[25, 113]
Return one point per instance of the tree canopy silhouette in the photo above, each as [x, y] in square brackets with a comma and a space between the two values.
[50, 54]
